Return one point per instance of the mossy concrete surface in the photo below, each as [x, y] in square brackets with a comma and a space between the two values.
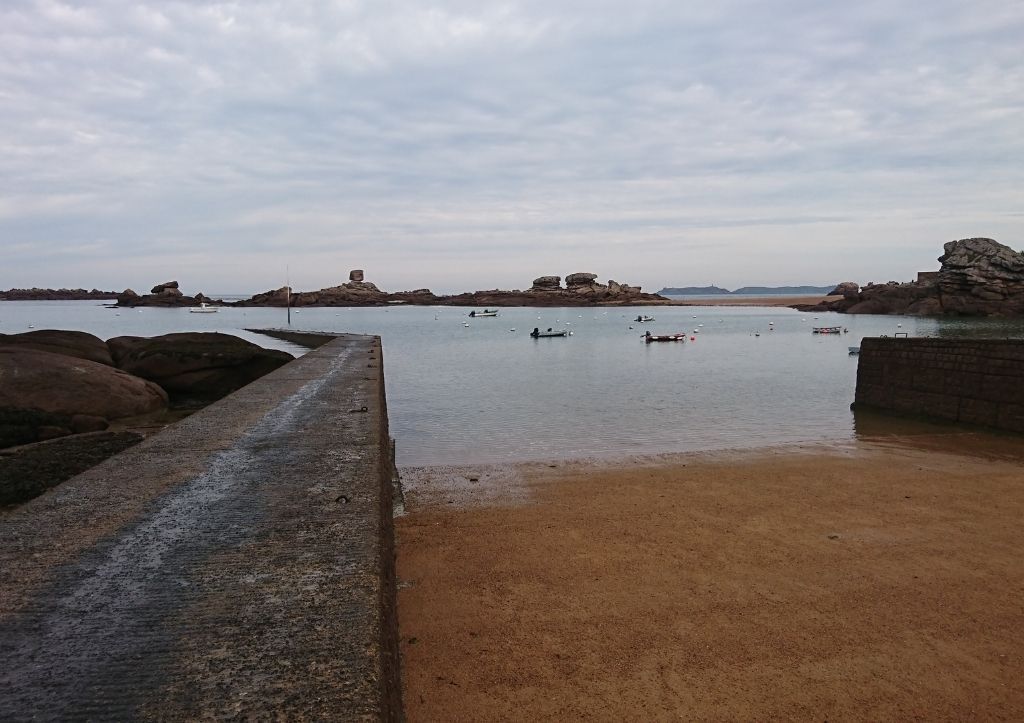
[238, 564]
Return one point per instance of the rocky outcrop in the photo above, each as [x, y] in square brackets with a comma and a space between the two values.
[355, 292]
[37, 294]
[979, 277]
[581, 289]
[45, 395]
[165, 294]
[195, 365]
[76, 344]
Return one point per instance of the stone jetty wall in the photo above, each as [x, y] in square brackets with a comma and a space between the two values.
[237, 565]
[977, 381]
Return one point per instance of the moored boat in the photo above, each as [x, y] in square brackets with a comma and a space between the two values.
[485, 312]
[538, 334]
[827, 330]
[643, 318]
[203, 308]
[649, 337]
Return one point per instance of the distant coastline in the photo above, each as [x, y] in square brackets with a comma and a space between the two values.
[746, 290]
[36, 294]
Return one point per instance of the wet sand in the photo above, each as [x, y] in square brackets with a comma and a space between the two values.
[848, 581]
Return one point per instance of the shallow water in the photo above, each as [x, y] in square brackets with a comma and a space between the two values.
[483, 393]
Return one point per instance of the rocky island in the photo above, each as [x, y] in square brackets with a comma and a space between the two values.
[978, 277]
[581, 289]
[36, 294]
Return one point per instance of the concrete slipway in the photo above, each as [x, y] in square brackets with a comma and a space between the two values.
[238, 564]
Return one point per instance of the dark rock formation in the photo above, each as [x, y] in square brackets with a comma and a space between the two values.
[351, 293]
[46, 395]
[355, 275]
[168, 287]
[30, 470]
[77, 344]
[581, 289]
[979, 277]
[165, 294]
[36, 294]
[195, 365]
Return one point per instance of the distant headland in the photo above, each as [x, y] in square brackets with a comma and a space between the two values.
[747, 290]
[56, 295]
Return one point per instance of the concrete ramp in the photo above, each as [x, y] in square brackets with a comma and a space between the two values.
[237, 565]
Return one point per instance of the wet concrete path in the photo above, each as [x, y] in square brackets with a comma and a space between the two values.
[236, 565]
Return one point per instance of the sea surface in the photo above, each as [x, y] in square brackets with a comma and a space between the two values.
[466, 391]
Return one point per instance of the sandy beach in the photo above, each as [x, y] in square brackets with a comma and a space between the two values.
[859, 580]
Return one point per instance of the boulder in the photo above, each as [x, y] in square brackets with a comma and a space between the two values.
[580, 279]
[355, 275]
[76, 344]
[547, 283]
[846, 288]
[195, 365]
[166, 287]
[45, 395]
[127, 298]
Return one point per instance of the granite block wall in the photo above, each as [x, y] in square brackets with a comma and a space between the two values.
[977, 381]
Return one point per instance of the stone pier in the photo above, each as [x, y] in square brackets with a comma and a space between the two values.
[237, 565]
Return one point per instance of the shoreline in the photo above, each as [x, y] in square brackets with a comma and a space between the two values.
[753, 301]
[849, 580]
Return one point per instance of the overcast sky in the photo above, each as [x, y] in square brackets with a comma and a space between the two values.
[468, 145]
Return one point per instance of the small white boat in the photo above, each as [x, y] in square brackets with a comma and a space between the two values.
[485, 312]
[827, 330]
[643, 318]
[203, 308]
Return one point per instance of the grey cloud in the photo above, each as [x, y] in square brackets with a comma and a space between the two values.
[540, 132]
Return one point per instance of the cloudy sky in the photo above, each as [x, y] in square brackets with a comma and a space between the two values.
[465, 145]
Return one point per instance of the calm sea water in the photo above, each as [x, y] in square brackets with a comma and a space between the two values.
[487, 392]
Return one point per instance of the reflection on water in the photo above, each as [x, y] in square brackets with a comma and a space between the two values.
[466, 390]
[890, 429]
